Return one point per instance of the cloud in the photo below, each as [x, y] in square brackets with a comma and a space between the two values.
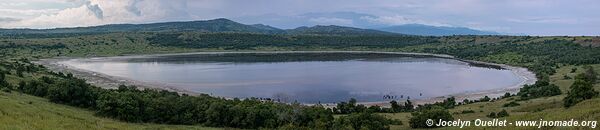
[544, 20]
[98, 12]
[132, 7]
[26, 12]
[95, 10]
[331, 21]
[7, 19]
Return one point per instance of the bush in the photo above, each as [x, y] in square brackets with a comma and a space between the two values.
[72, 92]
[363, 121]
[349, 107]
[492, 115]
[467, 111]
[511, 104]
[590, 75]
[6, 89]
[580, 90]
[485, 99]
[419, 118]
[502, 113]
[3, 83]
[36, 88]
[506, 95]
[541, 88]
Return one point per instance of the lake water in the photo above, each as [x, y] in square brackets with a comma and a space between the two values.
[307, 77]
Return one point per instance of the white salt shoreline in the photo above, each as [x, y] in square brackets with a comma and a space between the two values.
[110, 82]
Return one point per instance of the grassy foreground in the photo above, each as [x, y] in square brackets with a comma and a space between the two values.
[22, 111]
[546, 108]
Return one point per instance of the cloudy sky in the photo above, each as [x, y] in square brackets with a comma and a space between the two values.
[533, 17]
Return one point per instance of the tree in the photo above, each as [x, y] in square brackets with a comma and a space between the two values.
[350, 107]
[408, 106]
[22, 85]
[485, 99]
[541, 88]
[590, 75]
[435, 113]
[449, 103]
[506, 95]
[395, 106]
[3, 82]
[362, 121]
[580, 90]
[72, 92]
[492, 115]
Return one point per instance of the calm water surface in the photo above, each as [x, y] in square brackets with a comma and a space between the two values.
[306, 78]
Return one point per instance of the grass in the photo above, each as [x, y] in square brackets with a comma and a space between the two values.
[546, 108]
[21, 111]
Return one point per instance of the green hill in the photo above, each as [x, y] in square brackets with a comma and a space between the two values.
[21, 111]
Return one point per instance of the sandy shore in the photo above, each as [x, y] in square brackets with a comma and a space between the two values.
[111, 82]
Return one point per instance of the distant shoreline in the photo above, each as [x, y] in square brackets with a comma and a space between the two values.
[111, 82]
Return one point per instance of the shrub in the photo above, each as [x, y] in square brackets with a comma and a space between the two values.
[419, 118]
[485, 99]
[492, 115]
[72, 92]
[502, 113]
[541, 88]
[511, 104]
[580, 90]
[506, 95]
[6, 89]
[349, 107]
[363, 121]
[3, 82]
[590, 75]
[467, 111]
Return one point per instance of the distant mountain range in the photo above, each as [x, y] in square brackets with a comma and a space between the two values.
[336, 30]
[226, 25]
[215, 25]
[419, 29]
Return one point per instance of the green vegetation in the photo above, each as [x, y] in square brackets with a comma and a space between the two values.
[511, 104]
[541, 88]
[551, 58]
[351, 107]
[21, 111]
[502, 113]
[582, 88]
[435, 113]
[360, 121]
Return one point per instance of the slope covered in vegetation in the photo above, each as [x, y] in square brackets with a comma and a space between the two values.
[22, 111]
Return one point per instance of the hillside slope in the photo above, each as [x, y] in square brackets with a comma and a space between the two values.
[21, 111]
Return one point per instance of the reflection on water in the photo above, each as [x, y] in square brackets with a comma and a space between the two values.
[307, 77]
